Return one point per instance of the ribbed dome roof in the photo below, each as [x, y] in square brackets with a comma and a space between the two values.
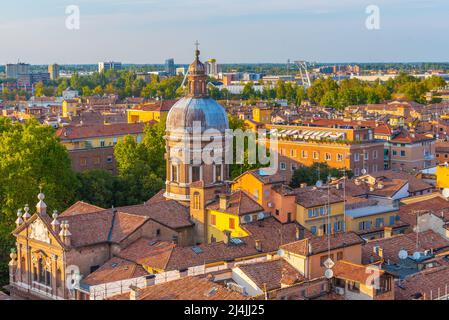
[189, 109]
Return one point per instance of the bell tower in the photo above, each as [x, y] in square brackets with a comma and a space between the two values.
[196, 124]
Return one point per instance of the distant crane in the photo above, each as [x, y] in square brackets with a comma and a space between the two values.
[304, 73]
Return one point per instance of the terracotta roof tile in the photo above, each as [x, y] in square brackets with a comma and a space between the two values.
[352, 272]
[99, 130]
[239, 203]
[272, 274]
[319, 244]
[80, 207]
[186, 288]
[115, 269]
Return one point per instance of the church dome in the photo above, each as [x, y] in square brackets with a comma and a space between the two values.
[197, 105]
[207, 111]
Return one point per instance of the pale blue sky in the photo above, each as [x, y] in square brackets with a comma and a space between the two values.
[148, 31]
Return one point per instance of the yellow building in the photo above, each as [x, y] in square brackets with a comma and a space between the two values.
[262, 114]
[319, 211]
[442, 174]
[227, 216]
[70, 107]
[153, 111]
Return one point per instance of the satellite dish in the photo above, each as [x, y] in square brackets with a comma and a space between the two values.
[403, 254]
[416, 255]
[328, 273]
[260, 215]
[445, 192]
[280, 253]
[319, 184]
[363, 171]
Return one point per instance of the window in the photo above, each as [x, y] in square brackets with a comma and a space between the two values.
[231, 223]
[395, 153]
[339, 157]
[114, 141]
[213, 219]
[313, 230]
[83, 162]
[392, 220]
[102, 143]
[311, 213]
[304, 153]
[174, 173]
[374, 154]
[316, 155]
[328, 156]
[402, 153]
[379, 222]
[324, 258]
[365, 225]
[356, 157]
[338, 226]
[294, 167]
[283, 166]
[366, 155]
[158, 232]
[357, 171]
[293, 152]
[340, 255]
[196, 172]
[353, 286]
[277, 212]
[196, 200]
[218, 172]
[97, 160]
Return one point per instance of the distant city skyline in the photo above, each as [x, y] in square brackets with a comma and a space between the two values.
[232, 31]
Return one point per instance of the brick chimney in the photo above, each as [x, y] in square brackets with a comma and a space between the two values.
[258, 244]
[227, 236]
[388, 231]
[224, 202]
[134, 293]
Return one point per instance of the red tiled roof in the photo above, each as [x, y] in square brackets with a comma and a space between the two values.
[436, 205]
[80, 207]
[162, 106]
[391, 246]
[239, 203]
[272, 274]
[99, 130]
[186, 288]
[319, 244]
[352, 272]
[115, 269]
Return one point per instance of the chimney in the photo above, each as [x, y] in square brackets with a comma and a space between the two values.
[227, 236]
[174, 239]
[55, 224]
[299, 235]
[41, 207]
[134, 293]
[65, 234]
[223, 202]
[258, 245]
[388, 231]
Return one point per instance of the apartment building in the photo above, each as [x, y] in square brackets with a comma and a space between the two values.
[410, 151]
[92, 146]
[344, 147]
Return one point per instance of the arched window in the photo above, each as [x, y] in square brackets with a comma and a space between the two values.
[41, 270]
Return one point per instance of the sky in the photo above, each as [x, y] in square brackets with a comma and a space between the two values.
[232, 31]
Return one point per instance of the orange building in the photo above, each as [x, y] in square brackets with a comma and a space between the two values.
[351, 148]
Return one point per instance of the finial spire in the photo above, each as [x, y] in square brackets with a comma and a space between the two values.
[197, 50]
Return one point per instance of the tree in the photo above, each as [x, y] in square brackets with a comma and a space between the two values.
[97, 187]
[315, 172]
[141, 166]
[31, 158]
